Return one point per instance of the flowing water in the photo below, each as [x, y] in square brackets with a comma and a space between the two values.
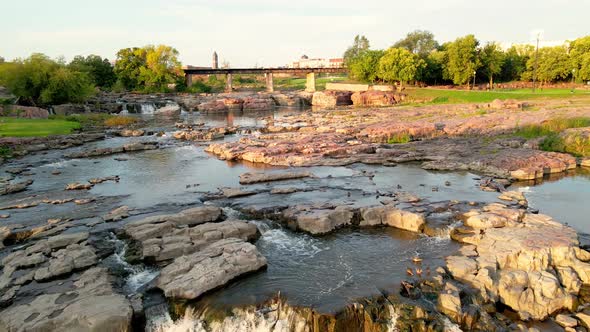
[326, 272]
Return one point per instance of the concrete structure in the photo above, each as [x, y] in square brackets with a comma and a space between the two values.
[306, 62]
[190, 72]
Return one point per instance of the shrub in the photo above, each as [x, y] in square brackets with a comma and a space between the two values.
[399, 138]
[5, 152]
[119, 121]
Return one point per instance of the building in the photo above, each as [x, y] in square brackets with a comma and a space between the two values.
[306, 62]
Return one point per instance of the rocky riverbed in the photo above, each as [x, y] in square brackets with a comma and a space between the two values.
[120, 232]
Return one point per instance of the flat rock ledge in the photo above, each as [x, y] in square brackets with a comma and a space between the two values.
[130, 147]
[529, 262]
[251, 178]
[165, 237]
[90, 305]
[190, 276]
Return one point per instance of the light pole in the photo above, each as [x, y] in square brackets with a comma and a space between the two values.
[573, 80]
[474, 72]
[536, 63]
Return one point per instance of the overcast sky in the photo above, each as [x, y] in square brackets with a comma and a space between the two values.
[271, 32]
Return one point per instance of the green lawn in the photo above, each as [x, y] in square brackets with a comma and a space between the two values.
[298, 83]
[449, 96]
[15, 127]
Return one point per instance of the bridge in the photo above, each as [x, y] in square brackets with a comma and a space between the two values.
[190, 73]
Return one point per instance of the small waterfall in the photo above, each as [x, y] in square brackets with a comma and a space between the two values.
[394, 316]
[147, 108]
[138, 275]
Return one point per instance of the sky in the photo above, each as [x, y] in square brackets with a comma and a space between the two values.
[268, 33]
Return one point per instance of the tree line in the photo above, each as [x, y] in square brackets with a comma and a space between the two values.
[420, 58]
[40, 80]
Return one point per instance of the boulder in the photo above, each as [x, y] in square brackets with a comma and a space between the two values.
[212, 106]
[392, 216]
[449, 302]
[375, 98]
[168, 110]
[131, 132]
[28, 112]
[69, 109]
[331, 99]
[258, 103]
[318, 221]
[190, 276]
[10, 188]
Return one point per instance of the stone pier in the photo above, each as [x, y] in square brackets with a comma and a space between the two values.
[310, 84]
[269, 82]
[228, 83]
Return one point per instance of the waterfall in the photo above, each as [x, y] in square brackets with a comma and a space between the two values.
[139, 275]
[147, 108]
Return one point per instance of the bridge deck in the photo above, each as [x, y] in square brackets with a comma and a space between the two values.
[295, 71]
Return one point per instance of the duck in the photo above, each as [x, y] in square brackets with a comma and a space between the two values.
[409, 272]
[417, 260]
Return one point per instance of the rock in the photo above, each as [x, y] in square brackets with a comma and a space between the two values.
[79, 186]
[15, 187]
[283, 191]
[131, 132]
[69, 109]
[64, 261]
[375, 98]
[319, 221]
[258, 103]
[137, 146]
[212, 106]
[331, 99]
[27, 112]
[91, 305]
[188, 277]
[584, 319]
[168, 110]
[566, 321]
[392, 216]
[101, 180]
[250, 178]
[117, 214]
[236, 192]
[449, 302]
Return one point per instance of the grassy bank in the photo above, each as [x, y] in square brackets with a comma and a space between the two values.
[298, 83]
[576, 144]
[60, 125]
[450, 96]
[15, 127]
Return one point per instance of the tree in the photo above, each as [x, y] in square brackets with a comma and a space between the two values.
[515, 59]
[579, 51]
[2, 60]
[98, 69]
[492, 59]
[420, 42]
[432, 70]
[553, 65]
[150, 68]
[461, 59]
[360, 44]
[65, 86]
[365, 65]
[41, 80]
[399, 65]
[127, 66]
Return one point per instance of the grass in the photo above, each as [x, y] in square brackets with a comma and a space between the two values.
[16, 127]
[298, 83]
[399, 138]
[553, 126]
[451, 96]
[120, 121]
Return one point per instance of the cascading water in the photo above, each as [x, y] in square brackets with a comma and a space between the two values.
[137, 275]
[147, 108]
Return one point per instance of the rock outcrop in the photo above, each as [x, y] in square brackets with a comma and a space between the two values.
[190, 276]
[331, 99]
[376, 98]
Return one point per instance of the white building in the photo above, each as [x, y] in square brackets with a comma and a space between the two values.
[306, 62]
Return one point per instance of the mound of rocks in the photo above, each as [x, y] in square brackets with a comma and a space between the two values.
[188, 277]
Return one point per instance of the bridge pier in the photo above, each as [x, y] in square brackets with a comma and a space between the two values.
[228, 83]
[269, 82]
[310, 83]
[188, 78]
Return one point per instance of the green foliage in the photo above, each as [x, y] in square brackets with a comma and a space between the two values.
[451, 96]
[515, 60]
[200, 87]
[492, 59]
[66, 86]
[41, 80]
[5, 152]
[150, 68]
[579, 50]
[98, 69]
[399, 65]
[462, 59]
[399, 138]
[552, 126]
[360, 45]
[553, 64]
[364, 67]
[419, 42]
[432, 70]
[17, 127]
